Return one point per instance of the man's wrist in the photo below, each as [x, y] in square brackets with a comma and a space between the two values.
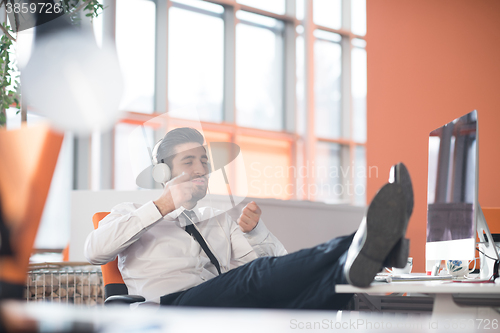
[259, 230]
[164, 209]
[157, 207]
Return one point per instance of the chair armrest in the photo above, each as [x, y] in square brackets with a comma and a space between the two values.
[123, 299]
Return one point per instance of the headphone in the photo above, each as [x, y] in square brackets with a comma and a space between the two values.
[161, 171]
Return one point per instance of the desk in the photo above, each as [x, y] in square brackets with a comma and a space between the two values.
[58, 318]
[443, 292]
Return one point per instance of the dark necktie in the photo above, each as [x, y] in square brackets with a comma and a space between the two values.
[191, 229]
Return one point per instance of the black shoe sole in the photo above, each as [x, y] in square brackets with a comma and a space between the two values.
[401, 175]
[385, 223]
[398, 257]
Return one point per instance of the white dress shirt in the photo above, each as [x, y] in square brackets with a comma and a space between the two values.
[156, 256]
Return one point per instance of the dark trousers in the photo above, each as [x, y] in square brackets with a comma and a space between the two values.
[301, 280]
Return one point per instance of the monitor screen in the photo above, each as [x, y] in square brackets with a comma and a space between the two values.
[452, 189]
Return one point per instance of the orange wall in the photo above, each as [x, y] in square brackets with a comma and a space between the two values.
[429, 62]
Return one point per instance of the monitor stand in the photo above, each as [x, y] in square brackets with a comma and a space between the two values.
[489, 267]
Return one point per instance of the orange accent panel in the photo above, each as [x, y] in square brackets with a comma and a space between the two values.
[110, 271]
[430, 62]
[28, 159]
[492, 216]
[65, 253]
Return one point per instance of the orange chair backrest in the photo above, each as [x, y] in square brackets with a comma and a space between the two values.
[110, 271]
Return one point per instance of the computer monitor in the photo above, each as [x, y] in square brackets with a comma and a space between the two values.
[452, 190]
[453, 212]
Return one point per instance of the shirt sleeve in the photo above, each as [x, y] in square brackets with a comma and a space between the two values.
[121, 228]
[241, 251]
[264, 242]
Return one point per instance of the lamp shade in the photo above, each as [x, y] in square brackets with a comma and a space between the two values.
[73, 82]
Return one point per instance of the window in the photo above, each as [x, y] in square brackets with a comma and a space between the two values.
[328, 13]
[195, 62]
[135, 44]
[259, 72]
[285, 80]
[359, 93]
[327, 84]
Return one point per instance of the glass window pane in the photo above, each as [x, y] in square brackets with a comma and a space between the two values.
[328, 173]
[195, 65]
[327, 90]
[358, 88]
[299, 9]
[267, 171]
[131, 154]
[136, 53]
[98, 29]
[23, 47]
[358, 17]
[360, 176]
[259, 77]
[13, 120]
[300, 86]
[54, 229]
[274, 6]
[328, 13]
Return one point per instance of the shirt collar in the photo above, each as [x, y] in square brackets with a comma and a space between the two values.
[174, 215]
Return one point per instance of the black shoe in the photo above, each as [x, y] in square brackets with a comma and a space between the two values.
[398, 257]
[380, 230]
[399, 174]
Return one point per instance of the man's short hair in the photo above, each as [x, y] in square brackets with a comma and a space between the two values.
[166, 150]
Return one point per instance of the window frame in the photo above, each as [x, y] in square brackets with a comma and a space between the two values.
[302, 145]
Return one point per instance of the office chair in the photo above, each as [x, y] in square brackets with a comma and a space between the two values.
[115, 290]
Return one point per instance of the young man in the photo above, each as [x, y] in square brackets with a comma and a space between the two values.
[174, 253]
